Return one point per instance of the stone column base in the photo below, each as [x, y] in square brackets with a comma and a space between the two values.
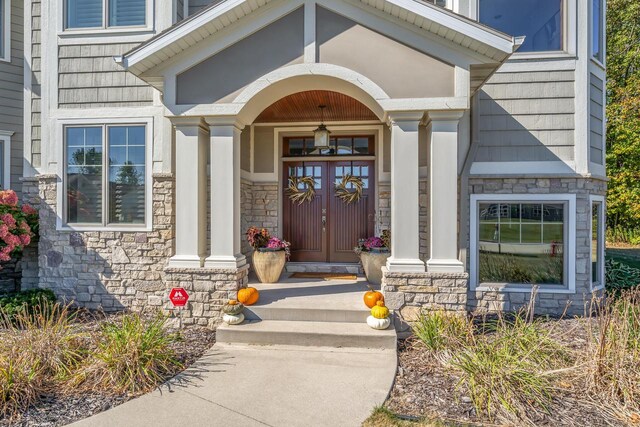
[408, 293]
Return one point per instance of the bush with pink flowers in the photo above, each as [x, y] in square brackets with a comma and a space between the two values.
[18, 225]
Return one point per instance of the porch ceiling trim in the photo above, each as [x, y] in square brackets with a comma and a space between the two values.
[479, 38]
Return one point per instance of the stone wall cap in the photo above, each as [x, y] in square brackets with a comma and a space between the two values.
[425, 275]
[162, 175]
[203, 270]
[29, 179]
[47, 177]
[540, 176]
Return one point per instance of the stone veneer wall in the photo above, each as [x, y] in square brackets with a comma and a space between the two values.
[546, 303]
[408, 293]
[259, 207]
[124, 270]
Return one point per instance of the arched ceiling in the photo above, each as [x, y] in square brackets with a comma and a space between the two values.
[303, 107]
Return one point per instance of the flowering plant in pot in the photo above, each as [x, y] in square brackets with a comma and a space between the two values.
[373, 252]
[270, 254]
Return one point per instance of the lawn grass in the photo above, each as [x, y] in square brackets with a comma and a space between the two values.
[629, 256]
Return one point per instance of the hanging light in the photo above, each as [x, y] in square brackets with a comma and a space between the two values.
[321, 134]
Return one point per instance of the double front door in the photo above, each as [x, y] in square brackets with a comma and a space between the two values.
[326, 228]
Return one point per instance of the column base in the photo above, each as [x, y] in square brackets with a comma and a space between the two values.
[222, 261]
[185, 261]
[445, 266]
[405, 265]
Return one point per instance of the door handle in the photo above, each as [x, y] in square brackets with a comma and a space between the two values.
[324, 223]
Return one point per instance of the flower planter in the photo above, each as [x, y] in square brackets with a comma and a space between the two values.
[268, 264]
[372, 263]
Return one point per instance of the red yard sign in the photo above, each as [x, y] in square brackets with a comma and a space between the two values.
[178, 297]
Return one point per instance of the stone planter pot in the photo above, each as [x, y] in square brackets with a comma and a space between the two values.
[372, 263]
[269, 265]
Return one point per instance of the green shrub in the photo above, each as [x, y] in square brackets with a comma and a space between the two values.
[620, 276]
[506, 372]
[618, 234]
[440, 331]
[132, 354]
[15, 303]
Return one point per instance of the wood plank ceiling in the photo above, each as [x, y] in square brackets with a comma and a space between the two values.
[303, 107]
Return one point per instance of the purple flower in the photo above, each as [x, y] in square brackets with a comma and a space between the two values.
[373, 242]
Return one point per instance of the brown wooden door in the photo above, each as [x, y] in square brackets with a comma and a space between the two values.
[353, 221]
[327, 229]
[303, 223]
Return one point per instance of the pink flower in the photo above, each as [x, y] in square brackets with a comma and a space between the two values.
[9, 220]
[4, 230]
[29, 210]
[8, 197]
[25, 227]
[25, 239]
[12, 240]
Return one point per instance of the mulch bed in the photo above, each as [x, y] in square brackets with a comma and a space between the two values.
[424, 389]
[56, 410]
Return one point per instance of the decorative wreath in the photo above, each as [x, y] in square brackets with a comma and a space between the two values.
[301, 196]
[344, 194]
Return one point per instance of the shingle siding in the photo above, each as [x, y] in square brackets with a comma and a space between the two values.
[89, 77]
[527, 117]
[596, 126]
[11, 92]
[36, 78]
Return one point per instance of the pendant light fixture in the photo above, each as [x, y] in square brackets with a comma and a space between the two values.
[321, 134]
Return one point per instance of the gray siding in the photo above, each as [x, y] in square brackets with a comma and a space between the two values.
[179, 10]
[89, 77]
[527, 117]
[11, 93]
[197, 5]
[36, 78]
[596, 120]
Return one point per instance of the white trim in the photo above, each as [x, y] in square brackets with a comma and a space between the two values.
[310, 31]
[27, 93]
[522, 168]
[6, 29]
[104, 33]
[61, 223]
[5, 139]
[569, 253]
[601, 200]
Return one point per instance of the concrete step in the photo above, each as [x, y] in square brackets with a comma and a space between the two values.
[301, 333]
[304, 314]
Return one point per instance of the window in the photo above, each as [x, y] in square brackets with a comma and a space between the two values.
[105, 174]
[5, 159]
[541, 21]
[338, 146]
[597, 242]
[597, 30]
[5, 30]
[105, 13]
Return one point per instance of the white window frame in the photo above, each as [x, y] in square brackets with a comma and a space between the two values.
[569, 287]
[62, 223]
[5, 140]
[603, 33]
[105, 30]
[6, 31]
[601, 200]
[569, 31]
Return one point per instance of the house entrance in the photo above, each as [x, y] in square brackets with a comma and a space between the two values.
[326, 227]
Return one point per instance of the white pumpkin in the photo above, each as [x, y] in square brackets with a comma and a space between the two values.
[378, 323]
[233, 319]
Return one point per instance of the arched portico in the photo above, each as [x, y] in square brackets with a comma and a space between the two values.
[216, 138]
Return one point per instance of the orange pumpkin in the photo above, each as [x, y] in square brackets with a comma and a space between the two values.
[248, 296]
[371, 297]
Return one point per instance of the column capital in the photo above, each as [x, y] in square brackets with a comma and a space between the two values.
[444, 116]
[395, 117]
[188, 121]
[215, 121]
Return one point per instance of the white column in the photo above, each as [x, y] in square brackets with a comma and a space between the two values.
[443, 182]
[405, 205]
[191, 193]
[225, 195]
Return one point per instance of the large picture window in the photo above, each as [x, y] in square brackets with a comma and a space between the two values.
[338, 146]
[597, 242]
[521, 242]
[105, 174]
[541, 21]
[597, 30]
[105, 13]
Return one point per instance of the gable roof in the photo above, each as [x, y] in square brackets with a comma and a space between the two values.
[491, 44]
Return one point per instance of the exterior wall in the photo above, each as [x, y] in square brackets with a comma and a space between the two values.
[88, 77]
[547, 303]
[196, 5]
[11, 94]
[125, 270]
[526, 116]
[35, 157]
[260, 202]
[344, 42]
[596, 122]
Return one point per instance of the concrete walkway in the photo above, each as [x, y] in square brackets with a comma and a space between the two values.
[265, 386]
